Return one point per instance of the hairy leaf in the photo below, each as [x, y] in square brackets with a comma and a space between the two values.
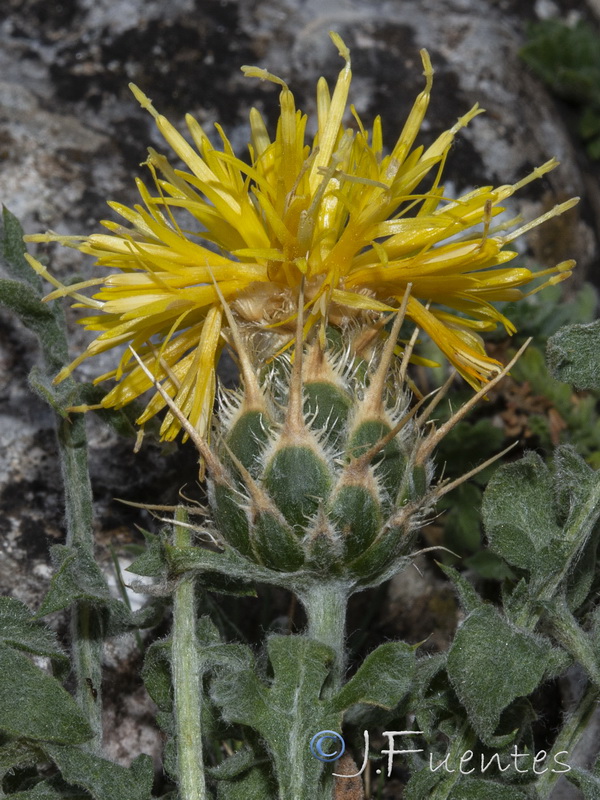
[45, 790]
[20, 630]
[491, 663]
[574, 355]
[469, 599]
[383, 679]
[77, 577]
[34, 705]
[12, 248]
[101, 778]
[286, 712]
[253, 785]
[475, 789]
[518, 511]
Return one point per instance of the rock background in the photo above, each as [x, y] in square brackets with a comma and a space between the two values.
[72, 136]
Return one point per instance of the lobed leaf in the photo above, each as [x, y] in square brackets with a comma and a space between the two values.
[287, 711]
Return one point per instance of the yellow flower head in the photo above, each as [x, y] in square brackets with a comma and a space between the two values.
[343, 216]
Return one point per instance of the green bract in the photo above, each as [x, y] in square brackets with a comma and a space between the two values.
[316, 468]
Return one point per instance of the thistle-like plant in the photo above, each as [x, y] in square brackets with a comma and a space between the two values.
[320, 471]
[355, 224]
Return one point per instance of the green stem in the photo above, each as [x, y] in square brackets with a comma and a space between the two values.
[187, 678]
[86, 626]
[567, 739]
[326, 606]
[464, 741]
[24, 294]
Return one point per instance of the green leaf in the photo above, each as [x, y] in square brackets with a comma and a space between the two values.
[490, 566]
[34, 705]
[186, 559]
[297, 662]
[469, 599]
[234, 766]
[584, 570]
[421, 784]
[101, 778]
[566, 58]
[491, 663]
[117, 618]
[576, 485]
[577, 489]
[151, 563]
[233, 658]
[156, 674]
[253, 785]
[432, 698]
[77, 577]
[22, 292]
[574, 355]
[574, 480]
[42, 318]
[383, 679]
[476, 789]
[462, 519]
[12, 248]
[57, 397]
[20, 630]
[286, 712]
[15, 754]
[518, 512]
[517, 602]
[23, 300]
[46, 791]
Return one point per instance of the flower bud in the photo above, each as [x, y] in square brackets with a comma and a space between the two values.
[320, 483]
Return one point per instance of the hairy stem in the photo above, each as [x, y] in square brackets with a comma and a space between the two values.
[86, 625]
[464, 742]
[573, 729]
[187, 688]
[326, 607]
